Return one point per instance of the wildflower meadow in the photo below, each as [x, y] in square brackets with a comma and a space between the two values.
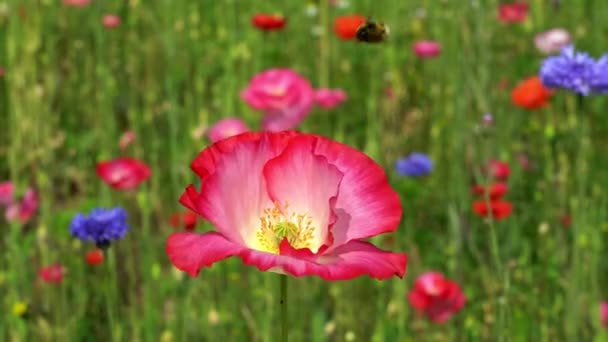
[327, 170]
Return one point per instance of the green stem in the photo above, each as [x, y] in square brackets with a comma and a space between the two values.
[110, 287]
[283, 307]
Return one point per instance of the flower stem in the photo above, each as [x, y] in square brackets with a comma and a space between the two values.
[283, 306]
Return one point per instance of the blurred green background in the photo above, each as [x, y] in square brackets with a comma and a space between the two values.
[174, 67]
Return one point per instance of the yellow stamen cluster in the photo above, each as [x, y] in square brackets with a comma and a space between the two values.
[277, 224]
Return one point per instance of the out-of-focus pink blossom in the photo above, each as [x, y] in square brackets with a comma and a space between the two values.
[552, 41]
[2, 72]
[427, 49]
[126, 139]
[111, 21]
[329, 98]
[488, 119]
[7, 191]
[604, 314]
[524, 161]
[52, 274]
[436, 297]
[24, 210]
[123, 173]
[513, 13]
[226, 128]
[284, 96]
[77, 3]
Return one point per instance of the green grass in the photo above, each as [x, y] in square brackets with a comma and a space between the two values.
[73, 87]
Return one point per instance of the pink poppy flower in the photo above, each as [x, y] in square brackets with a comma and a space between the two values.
[284, 96]
[110, 21]
[436, 297]
[513, 13]
[126, 139]
[77, 3]
[226, 128]
[7, 192]
[123, 173]
[52, 274]
[604, 314]
[552, 41]
[427, 49]
[291, 203]
[24, 210]
[329, 98]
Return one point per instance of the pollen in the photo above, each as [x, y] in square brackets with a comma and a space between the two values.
[277, 224]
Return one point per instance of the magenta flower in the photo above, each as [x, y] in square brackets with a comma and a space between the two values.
[7, 191]
[24, 210]
[436, 297]
[77, 3]
[110, 21]
[291, 203]
[52, 274]
[123, 173]
[329, 98]
[226, 128]
[604, 314]
[284, 96]
[427, 49]
[552, 41]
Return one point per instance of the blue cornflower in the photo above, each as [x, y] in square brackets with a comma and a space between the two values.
[600, 75]
[575, 71]
[415, 165]
[102, 226]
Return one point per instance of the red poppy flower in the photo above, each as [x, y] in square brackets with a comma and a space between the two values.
[186, 220]
[531, 94]
[52, 274]
[94, 257]
[566, 220]
[496, 190]
[604, 314]
[513, 13]
[123, 173]
[291, 203]
[268, 22]
[346, 26]
[500, 209]
[499, 169]
[436, 297]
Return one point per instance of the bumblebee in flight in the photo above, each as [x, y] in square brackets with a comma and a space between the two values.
[372, 32]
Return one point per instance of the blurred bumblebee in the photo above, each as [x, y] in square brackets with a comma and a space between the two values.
[372, 32]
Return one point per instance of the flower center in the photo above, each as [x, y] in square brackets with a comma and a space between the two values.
[277, 224]
[278, 91]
